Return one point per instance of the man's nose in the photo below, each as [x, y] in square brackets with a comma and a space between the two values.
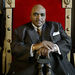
[39, 16]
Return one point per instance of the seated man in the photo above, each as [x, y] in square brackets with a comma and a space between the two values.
[31, 45]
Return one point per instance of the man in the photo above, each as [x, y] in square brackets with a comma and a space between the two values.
[51, 42]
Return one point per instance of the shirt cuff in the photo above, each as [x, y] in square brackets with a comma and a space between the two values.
[31, 52]
[57, 48]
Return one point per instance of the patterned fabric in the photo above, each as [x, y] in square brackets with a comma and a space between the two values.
[38, 31]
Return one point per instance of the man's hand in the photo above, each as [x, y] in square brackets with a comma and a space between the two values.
[48, 44]
[44, 47]
[37, 46]
[42, 51]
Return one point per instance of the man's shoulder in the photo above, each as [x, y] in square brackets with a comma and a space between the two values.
[24, 26]
[52, 22]
[55, 25]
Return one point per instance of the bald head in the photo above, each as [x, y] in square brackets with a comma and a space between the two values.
[38, 15]
[38, 6]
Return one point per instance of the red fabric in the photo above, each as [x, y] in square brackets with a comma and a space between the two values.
[54, 11]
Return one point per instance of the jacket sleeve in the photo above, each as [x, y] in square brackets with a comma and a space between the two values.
[65, 42]
[19, 48]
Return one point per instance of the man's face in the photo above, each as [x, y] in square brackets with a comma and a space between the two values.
[38, 16]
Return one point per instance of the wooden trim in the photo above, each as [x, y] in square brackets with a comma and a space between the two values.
[10, 3]
[68, 21]
[66, 3]
[7, 57]
[8, 38]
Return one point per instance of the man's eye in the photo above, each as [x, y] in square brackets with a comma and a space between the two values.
[35, 14]
[42, 14]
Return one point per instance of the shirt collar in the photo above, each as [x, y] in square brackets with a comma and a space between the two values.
[35, 27]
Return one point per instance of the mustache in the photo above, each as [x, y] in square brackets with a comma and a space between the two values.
[38, 20]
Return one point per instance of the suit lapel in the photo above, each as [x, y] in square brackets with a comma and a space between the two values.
[47, 31]
[33, 34]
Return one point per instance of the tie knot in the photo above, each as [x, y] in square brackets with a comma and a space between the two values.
[39, 31]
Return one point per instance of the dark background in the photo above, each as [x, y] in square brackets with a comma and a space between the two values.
[2, 35]
[73, 25]
[2, 32]
[73, 33]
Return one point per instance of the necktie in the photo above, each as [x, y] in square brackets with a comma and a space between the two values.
[38, 31]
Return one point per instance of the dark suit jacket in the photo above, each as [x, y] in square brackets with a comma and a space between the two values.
[25, 36]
